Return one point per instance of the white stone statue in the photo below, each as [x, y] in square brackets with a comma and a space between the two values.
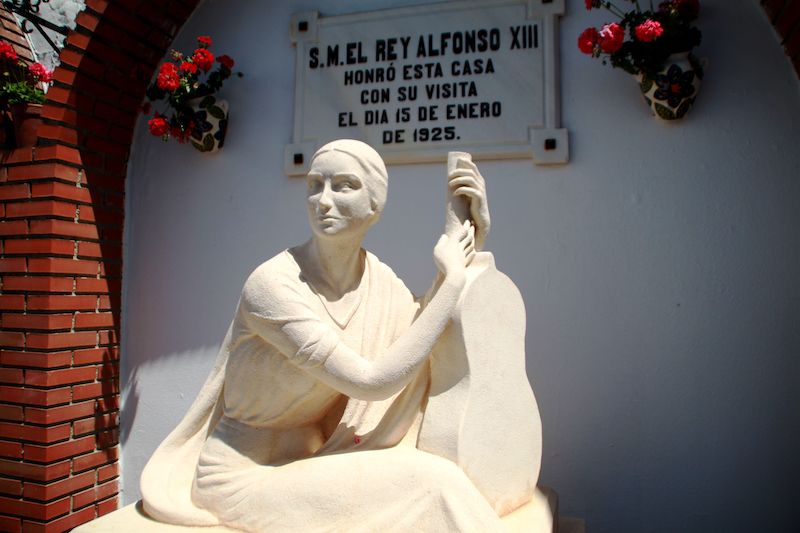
[339, 402]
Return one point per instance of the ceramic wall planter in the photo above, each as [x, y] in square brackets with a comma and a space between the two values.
[672, 92]
[211, 123]
[26, 119]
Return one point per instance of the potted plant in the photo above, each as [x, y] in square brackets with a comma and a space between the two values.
[22, 93]
[188, 85]
[655, 46]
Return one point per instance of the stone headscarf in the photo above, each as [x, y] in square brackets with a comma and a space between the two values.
[376, 179]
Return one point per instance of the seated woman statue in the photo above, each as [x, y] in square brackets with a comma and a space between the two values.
[309, 418]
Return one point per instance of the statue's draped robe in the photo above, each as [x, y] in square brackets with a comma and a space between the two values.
[251, 453]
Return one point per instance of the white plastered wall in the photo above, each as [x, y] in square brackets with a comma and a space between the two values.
[660, 268]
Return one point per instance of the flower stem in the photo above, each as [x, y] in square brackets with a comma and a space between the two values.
[614, 9]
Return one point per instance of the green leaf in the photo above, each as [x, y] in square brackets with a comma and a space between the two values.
[216, 112]
[646, 85]
[664, 112]
[208, 142]
[684, 108]
[207, 101]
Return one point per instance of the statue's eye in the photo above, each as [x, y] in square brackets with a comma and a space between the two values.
[314, 185]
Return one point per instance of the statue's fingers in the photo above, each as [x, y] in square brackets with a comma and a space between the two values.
[469, 192]
[463, 181]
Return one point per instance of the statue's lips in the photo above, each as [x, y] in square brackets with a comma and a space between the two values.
[327, 218]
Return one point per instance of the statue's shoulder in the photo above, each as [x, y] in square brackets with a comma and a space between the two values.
[278, 274]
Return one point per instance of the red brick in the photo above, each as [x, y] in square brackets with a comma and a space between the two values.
[59, 488]
[55, 452]
[104, 303]
[10, 449]
[95, 494]
[29, 322]
[35, 396]
[37, 284]
[108, 403]
[85, 462]
[62, 524]
[107, 506]
[44, 170]
[36, 359]
[11, 412]
[65, 75]
[12, 339]
[61, 190]
[19, 155]
[38, 209]
[64, 413]
[93, 390]
[39, 246]
[53, 378]
[107, 472]
[98, 285]
[40, 511]
[12, 487]
[38, 434]
[96, 355]
[60, 153]
[94, 320]
[108, 337]
[32, 322]
[15, 192]
[59, 133]
[11, 375]
[16, 264]
[64, 228]
[13, 227]
[99, 422]
[62, 303]
[62, 266]
[49, 341]
[78, 40]
[10, 525]
[60, 114]
[12, 302]
[33, 471]
[62, 96]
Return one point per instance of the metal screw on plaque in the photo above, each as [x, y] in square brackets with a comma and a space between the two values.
[302, 25]
[549, 144]
[298, 159]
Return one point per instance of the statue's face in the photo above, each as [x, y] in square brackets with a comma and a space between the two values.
[338, 202]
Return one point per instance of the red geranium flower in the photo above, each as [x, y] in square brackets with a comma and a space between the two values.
[203, 59]
[649, 30]
[158, 126]
[587, 40]
[225, 61]
[611, 38]
[204, 41]
[7, 51]
[592, 3]
[168, 78]
[191, 68]
[39, 72]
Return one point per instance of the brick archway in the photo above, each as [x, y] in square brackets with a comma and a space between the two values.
[61, 266]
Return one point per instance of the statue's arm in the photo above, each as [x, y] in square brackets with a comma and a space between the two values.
[287, 322]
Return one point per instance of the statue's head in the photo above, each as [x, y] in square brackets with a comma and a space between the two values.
[347, 186]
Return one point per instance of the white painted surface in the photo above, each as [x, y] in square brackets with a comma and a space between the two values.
[659, 268]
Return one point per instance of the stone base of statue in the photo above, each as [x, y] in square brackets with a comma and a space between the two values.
[533, 516]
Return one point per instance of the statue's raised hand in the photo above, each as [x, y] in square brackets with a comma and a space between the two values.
[453, 253]
[465, 181]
